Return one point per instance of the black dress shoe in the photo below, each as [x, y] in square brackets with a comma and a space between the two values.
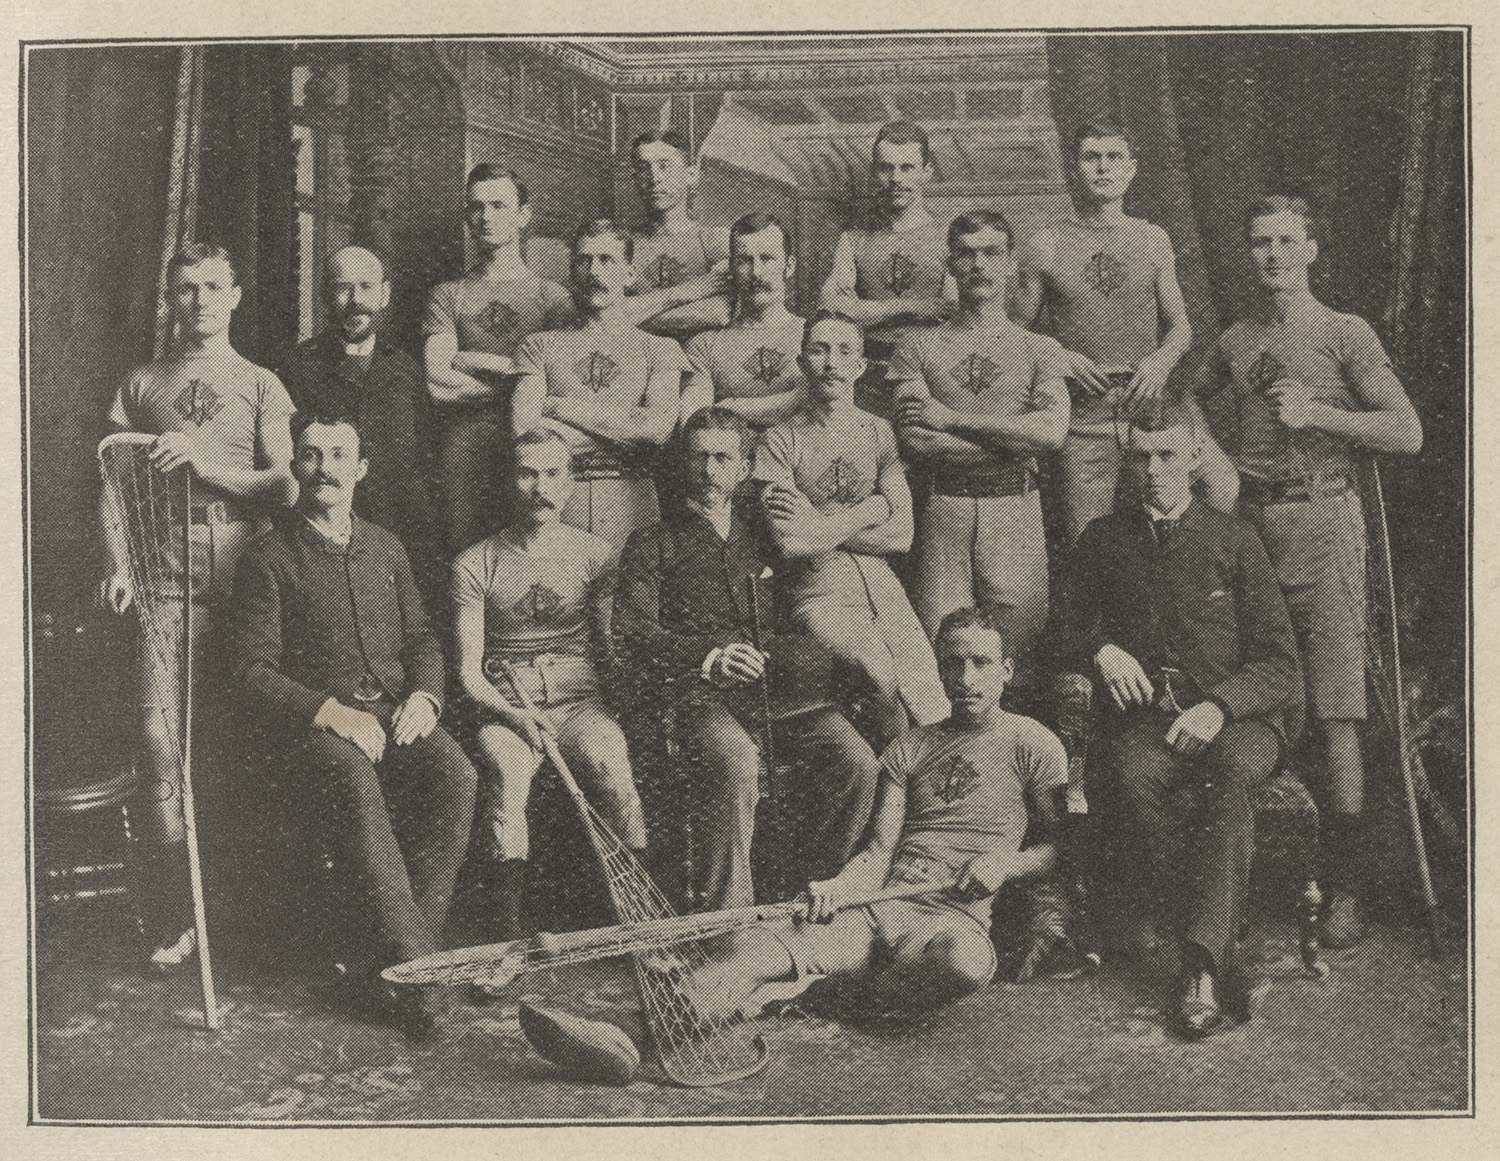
[1199, 1010]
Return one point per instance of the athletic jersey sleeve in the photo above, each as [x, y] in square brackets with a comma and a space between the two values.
[666, 355]
[122, 409]
[698, 355]
[1163, 257]
[776, 458]
[441, 316]
[1364, 360]
[274, 408]
[899, 759]
[557, 306]
[467, 583]
[886, 451]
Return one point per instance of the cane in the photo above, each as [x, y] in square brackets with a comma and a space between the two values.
[768, 753]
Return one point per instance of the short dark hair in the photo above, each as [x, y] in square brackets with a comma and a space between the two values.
[605, 228]
[1169, 411]
[665, 137]
[302, 420]
[1098, 127]
[904, 133]
[193, 253]
[757, 222]
[975, 618]
[830, 316]
[976, 220]
[489, 171]
[536, 436]
[1281, 202]
[718, 418]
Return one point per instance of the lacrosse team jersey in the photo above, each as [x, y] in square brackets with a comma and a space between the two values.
[494, 315]
[663, 259]
[750, 362]
[1337, 355]
[1101, 283]
[968, 791]
[911, 264]
[988, 372]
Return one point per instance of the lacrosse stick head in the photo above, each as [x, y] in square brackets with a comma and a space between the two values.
[496, 965]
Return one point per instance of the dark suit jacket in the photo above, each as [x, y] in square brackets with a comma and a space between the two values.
[1205, 602]
[300, 639]
[684, 592]
[391, 406]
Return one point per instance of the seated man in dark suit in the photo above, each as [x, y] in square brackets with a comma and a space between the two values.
[346, 679]
[1176, 609]
[682, 620]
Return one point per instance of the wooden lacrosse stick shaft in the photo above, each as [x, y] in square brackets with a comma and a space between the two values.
[1403, 742]
[769, 752]
[549, 747]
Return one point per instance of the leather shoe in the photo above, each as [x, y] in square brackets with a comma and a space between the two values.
[1343, 926]
[1199, 1012]
[589, 1049]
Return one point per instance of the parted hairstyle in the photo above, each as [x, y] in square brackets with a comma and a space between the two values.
[1098, 128]
[489, 171]
[1281, 202]
[830, 316]
[905, 133]
[536, 436]
[975, 618]
[302, 420]
[1168, 412]
[721, 419]
[665, 137]
[196, 252]
[606, 228]
[757, 222]
[976, 220]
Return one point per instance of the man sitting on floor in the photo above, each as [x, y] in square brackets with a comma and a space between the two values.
[957, 799]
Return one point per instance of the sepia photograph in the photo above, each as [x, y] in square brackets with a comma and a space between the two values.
[684, 578]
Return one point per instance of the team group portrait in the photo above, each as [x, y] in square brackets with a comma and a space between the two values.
[640, 579]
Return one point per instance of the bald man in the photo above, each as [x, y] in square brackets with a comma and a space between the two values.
[351, 372]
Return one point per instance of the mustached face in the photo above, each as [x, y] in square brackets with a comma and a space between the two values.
[716, 465]
[542, 481]
[328, 465]
[357, 293]
[760, 266]
[601, 271]
[974, 669]
[981, 264]
[900, 173]
[833, 359]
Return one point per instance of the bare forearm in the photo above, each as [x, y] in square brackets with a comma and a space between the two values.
[765, 410]
[940, 447]
[1028, 431]
[468, 362]
[112, 523]
[1394, 432]
[623, 425]
[269, 485]
[833, 525]
[447, 388]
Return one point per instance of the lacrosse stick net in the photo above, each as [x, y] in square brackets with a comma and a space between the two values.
[154, 514]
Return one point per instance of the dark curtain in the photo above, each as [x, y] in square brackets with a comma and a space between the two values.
[1370, 127]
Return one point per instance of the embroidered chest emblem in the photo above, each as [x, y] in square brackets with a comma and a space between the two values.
[1106, 273]
[665, 271]
[766, 365]
[977, 373]
[198, 402]
[842, 482]
[900, 274]
[955, 779]
[597, 371]
[538, 604]
[500, 319]
[1268, 369]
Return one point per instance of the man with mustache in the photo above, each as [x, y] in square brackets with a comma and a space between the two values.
[977, 398]
[226, 421]
[613, 391]
[889, 275]
[471, 330]
[1296, 391]
[537, 595]
[834, 493]
[351, 370]
[750, 366]
[345, 679]
[688, 648]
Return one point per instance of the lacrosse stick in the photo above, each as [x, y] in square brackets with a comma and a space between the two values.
[139, 498]
[694, 1049]
[768, 755]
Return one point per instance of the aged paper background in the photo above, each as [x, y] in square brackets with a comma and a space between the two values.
[105, 19]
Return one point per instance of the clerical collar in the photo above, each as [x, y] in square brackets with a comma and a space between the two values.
[339, 536]
[360, 350]
[720, 517]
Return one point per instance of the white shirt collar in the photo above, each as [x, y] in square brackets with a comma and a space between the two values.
[340, 536]
[360, 349]
[720, 518]
[1174, 514]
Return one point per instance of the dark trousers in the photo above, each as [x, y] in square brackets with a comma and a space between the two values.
[1185, 827]
[835, 771]
[400, 829]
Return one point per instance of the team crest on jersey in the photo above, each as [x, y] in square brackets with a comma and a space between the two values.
[1106, 273]
[538, 604]
[1268, 369]
[665, 271]
[199, 402]
[598, 371]
[976, 373]
[841, 482]
[766, 365]
[900, 274]
[954, 779]
[501, 320]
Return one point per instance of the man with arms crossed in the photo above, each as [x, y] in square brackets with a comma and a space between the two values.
[334, 653]
[612, 390]
[956, 801]
[976, 399]
[227, 421]
[537, 594]
[1296, 390]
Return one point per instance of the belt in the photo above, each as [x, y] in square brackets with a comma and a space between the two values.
[605, 465]
[221, 512]
[1118, 381]
[1007, 482]
[1264, 492]
[494, 662]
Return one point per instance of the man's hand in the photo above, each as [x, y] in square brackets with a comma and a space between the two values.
[416, 718]
[739, 663]
[363, 729]
[827, 899]
[1148, 383]
[1123, 675]
[116, 592]
[1087, 373]
[1292, 401]
[531, 725]
[1196, 728]
[917, 410]
[173, 449]
[984, 875]
[788, 505]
